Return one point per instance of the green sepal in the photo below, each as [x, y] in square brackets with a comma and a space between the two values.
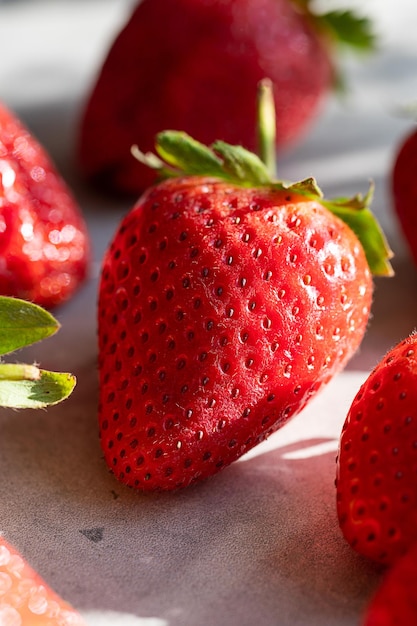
[49, 389]
[181, 155]
[23, 323]
[242, 165]
[348, 29]
[341, 26]
[188, 155]
[355, 212]
[307, 186]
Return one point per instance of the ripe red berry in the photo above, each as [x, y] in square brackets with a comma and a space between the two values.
[395, 601]
[404, 187]
[223, 307]
[194, 65]
[377, 464]
[44, 243]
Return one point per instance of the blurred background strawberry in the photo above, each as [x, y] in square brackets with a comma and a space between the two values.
[194, 65]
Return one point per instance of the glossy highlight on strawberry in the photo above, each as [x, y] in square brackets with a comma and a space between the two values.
[377, 463]
[226, 300]
[44, 242]
[222, 311]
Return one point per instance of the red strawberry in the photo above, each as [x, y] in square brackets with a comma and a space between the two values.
[377, 465]
[404, 186]
[25, 599]
[44, 245]
[226, 301]
[395, 601]
[194, 65]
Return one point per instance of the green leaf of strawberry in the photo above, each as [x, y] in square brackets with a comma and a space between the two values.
[349, 29]
[23, 323]
[186, 154]
[342, 26]
[181, 155]
[46, 389]
[22, 385]
[356, 213]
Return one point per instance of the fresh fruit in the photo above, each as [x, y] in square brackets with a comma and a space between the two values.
[194, 65]
[377, 463]
[404, 188]
[395, 601]
[44, 244]
[226, 301]
[25, 599]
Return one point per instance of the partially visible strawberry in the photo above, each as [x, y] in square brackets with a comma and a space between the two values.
[377, 463]
[194, 65]
[25, 598]
[395, 601]
[404, 187]
[226, 301]
[44, 243]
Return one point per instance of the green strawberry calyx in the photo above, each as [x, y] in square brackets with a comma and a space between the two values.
[343, 26]
[341, 30]
[23, 385]
[178, 154]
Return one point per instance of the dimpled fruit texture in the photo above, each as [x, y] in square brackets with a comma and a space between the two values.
[195, 65]
[222, 310]
[377, 463]
[44, 243]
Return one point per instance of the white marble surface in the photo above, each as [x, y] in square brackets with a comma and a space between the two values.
[258, 543]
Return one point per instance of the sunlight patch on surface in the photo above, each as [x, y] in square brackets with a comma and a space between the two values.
[113, 618]
[310, 451]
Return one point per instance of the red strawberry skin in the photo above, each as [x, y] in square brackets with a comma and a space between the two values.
[404, 188]
[222, 311]
[395, 601]
[377, 463]
[44, 243]
[195, 65]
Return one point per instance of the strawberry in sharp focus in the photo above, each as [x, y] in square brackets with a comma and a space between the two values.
[404, 188]
[395, 601]
[377, 463]
[44, 243]
[25, 598]
[226, 301]
[194, 65]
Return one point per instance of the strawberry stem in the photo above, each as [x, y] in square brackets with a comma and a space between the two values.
[178, 154]
[19, 371]
[267, 125]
